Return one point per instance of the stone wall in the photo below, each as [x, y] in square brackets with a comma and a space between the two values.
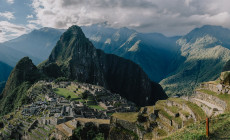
[171, 113]
[167, 129]
[183, 107]
[176, 125]
[162, 117]
[218, 88]
[125, 124]
[131, 126]
[211, 99]
[64, 131]
[205, 108]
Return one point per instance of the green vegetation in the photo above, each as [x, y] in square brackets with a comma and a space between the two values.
[199, 113]
[89, 132]
[61, 79]
[165, 114]
[96, 107]
[65, 93]
[84, 95]
[219, 129]
[15, 98]
[203, 56]
[173, 109]
[148, 136]
[129, 116]
[161, 132]
[123, 133]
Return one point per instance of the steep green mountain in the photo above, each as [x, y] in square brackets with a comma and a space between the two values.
[11, 56]
[204, 51]
[22, 76]
[152, 51]
[4, 73]
[75, 57]
[38, 43]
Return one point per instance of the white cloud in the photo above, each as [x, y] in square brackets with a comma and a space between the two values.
[7, 14]
[10, 1]
[171, 17]
[10, 30]
[31, 26]
[29, 16]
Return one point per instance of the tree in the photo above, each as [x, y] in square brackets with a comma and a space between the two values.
[69, 97]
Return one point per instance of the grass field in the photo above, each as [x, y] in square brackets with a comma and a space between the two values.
[129, 116]
[96, 107]
[65, 93]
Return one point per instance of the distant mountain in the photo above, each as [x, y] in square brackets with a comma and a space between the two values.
[38, 43]
[11, 56]
[152, 51]
[75, 57]
[204, 51]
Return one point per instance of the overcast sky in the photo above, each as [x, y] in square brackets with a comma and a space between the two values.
[170, 17]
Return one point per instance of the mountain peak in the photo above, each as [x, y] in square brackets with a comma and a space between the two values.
[220, 33]
[71, 43]
[24, 71]
[75, 30]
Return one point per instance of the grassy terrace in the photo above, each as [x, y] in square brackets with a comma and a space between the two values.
[219, 129]
[129, 116]
[65, 93]
[161, 104]
[224, 97]
[173, 109]
[161, 132]
[165, 124]
[96, 107]
[199, 113]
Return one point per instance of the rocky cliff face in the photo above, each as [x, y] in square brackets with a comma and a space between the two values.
[79, 59]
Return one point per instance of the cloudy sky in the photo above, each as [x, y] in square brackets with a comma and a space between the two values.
[170, 17]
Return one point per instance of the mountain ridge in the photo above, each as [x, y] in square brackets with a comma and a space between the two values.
[76, 54]
[200, 52]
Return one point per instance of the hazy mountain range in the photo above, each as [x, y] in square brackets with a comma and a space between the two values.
[178, 63]
[74, 57]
